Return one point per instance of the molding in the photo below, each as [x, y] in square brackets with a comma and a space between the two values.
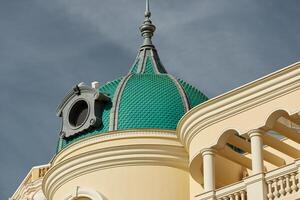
[113, 118]
[282, 171]
[114, 135]
[27, 185]
[256, 132]
[244, 98]
[154, 61]
[83, 192]
[28, 190]
[92, 98]
[140, 67]
[164, 150]
[208, 151]
[136, 60]
[254, 178]
[182, 93]
[209, 195]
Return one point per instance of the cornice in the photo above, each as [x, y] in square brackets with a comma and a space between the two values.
[29, 189]
[113, 136]
[164, 150]
[239, 100]
[27, 185]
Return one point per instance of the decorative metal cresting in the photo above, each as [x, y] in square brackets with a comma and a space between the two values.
[147, 28]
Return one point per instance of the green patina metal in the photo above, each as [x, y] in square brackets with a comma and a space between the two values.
[195, 97]
[149, 69]
[134, 67]
[150, 101]
[160, 66]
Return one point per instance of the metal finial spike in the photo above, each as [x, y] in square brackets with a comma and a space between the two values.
[147, 28]
[147, 12]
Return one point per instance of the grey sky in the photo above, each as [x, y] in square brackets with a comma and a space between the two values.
[48, 46]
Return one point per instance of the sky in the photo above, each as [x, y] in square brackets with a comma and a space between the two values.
[46, 47]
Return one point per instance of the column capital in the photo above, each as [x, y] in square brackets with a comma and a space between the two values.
[256, 132]
[208, 151]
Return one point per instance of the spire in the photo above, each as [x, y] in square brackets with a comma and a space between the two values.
[147, 61]
[147, 28]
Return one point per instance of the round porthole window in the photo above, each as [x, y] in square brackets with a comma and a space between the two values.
[78, 113]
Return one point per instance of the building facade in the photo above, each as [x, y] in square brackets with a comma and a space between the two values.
[149, 135]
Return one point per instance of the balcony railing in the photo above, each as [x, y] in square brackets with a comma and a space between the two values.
[235, 191]
[281, 183]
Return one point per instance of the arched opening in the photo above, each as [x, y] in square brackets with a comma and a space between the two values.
[82, 193]
[82, 198]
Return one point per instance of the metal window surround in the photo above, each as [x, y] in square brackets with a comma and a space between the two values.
[95, 102]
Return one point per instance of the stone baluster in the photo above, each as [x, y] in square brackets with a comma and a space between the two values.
[287, 184]
[281, 191]
[270, 192]
[293, 179]
[225, 198]
[236, 196]
[231, 197]
[243, 195]
[276, 193]
[298, 180]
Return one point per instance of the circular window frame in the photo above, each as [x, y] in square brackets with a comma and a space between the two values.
[86, 117]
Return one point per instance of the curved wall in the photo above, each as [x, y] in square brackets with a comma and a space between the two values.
[137, 164]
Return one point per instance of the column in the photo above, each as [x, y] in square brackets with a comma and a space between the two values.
[255, 184]
[208, 156]
[256, 151]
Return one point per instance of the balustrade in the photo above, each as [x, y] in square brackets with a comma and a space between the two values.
[284, 184]
[280, 182]
[239, 195]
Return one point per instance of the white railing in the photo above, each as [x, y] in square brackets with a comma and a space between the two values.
[282, 182]
[240, 195]
[235, 191]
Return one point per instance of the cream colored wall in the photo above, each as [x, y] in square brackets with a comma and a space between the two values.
[227, 172]
[242, 110]
[195, 187]
[133, 165]
[244, 122]
[132, 183]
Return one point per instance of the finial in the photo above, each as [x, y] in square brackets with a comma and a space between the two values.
[147, 28]
[147, 12]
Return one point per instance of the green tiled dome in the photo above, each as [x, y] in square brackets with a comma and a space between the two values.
[150, 101]
[146, 98]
